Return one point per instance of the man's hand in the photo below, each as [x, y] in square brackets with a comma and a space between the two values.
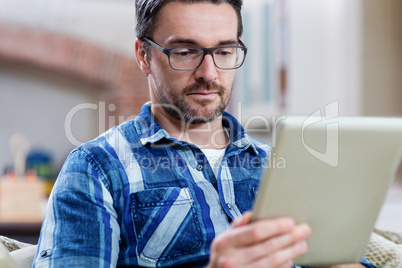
[265, 243]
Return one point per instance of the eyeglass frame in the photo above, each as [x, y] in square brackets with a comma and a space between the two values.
[167, 52]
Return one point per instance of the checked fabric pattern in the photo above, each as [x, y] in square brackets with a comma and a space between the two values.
[12, 244]
[385, 249]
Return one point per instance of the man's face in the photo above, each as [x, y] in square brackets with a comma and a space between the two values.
[200, 95]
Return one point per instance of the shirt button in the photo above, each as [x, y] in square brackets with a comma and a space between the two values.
[229, 206]
[199, 167]
[43, 253]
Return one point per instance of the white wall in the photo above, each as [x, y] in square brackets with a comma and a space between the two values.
[36, 103]
[324, 56]
[346, 51]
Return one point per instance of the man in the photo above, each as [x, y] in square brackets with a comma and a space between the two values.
[172, 187]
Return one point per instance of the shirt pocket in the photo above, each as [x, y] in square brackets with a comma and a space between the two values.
[165, 224]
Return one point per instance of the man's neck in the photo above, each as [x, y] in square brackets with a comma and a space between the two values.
[211, 135]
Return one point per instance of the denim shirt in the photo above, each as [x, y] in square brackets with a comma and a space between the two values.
[137, 197]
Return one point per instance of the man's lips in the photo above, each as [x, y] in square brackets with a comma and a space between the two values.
[203, 93]
[203, 96]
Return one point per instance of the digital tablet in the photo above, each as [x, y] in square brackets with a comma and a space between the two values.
[332, 174]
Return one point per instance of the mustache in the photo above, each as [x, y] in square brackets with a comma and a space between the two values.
[200, 85]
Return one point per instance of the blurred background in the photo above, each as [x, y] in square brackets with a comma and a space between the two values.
[68, 73]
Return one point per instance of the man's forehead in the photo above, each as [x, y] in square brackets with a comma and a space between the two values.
[178, 20]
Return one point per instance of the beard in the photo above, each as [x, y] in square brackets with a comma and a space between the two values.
[177, 106]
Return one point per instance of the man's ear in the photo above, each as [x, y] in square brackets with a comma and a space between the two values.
[142, 57]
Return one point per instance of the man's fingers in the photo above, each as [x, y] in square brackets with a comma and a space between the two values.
[255, 252]
[243, 220]
[300, 233]
[255, 232]
[263, 243]
[281, 258]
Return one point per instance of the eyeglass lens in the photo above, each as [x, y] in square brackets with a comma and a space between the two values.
[224, 58]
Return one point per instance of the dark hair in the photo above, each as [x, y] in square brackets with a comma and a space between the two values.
[146, 12]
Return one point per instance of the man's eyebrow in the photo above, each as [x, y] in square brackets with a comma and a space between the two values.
[185, 41]
[180, 41]
[228, 43]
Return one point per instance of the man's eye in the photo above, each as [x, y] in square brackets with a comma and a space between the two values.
[182, 53]
[185, 53]
[224, 52]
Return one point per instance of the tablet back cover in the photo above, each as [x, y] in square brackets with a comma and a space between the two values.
[334, 176]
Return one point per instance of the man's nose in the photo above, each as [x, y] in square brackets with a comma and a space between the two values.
[207, 70]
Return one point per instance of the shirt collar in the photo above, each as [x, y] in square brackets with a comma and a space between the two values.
[151, 132]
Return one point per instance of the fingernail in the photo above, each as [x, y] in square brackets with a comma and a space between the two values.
[289, 223]
[302, 246]
[306, 230]
[236, 221]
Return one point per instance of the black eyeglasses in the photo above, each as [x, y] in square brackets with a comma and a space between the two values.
[190, 58]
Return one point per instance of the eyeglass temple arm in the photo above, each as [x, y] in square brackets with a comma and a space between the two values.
[162, 49]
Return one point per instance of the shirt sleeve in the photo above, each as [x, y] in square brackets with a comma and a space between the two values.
[80, 228]
[367, 264]
[363, 262]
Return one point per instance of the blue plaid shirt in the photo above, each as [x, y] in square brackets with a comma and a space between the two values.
[137, 197]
